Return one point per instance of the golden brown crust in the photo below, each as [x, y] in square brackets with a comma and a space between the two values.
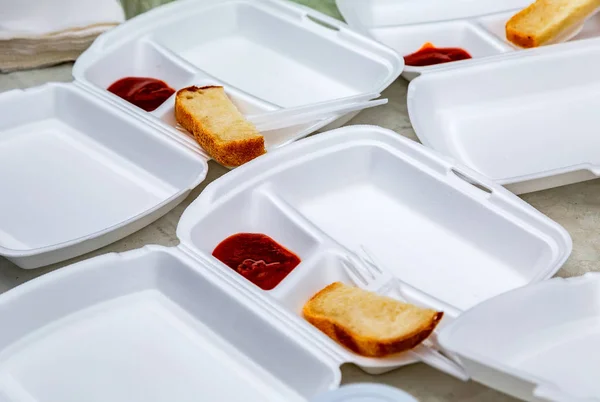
[195, 88]
[366, 346]
[228, 153]
[516, 37]
[520, 39]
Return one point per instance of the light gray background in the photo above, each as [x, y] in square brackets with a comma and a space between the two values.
[576, 207]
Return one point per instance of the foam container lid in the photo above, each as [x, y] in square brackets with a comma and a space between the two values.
[163, 324]
[545, 340]
[84, 168]
[478, 26]
[77, 174]
[514, 120]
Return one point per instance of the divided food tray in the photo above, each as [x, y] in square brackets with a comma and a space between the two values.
[82, 168]
[545, 339]
[180, 316]
[477, 26]
[515, 121]
[269, 54]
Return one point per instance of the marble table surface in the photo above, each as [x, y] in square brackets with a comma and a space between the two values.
[576, 207]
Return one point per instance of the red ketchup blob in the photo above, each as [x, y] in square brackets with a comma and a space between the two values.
[145, 93]
[257, 258]
[429, 55]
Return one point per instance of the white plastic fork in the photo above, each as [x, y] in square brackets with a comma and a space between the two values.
[369, 275]
[288, 117]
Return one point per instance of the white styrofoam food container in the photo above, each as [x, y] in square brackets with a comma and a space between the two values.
[538, 343]
[163, 324]
[270, 54]
[81, 168]
[478, 26]
[516, 121]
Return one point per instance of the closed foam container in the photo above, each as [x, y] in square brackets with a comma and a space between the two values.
[544, 339]
[163, 324]
[477, 26]
[514, 120]
[81, 167]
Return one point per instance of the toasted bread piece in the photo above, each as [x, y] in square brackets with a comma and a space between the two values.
[217, 125]
[367, 323]
[546, 20]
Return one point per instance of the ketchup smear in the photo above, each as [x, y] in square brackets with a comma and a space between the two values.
[145, 93]
[429, 55]
[257, 257]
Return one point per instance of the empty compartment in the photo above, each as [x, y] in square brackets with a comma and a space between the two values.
[270, 54]
[72, 166]
[428, 233]
[165, 333]
[456, 34]
[545, 333]
[514, 121]
[254, 212]
[138, 59]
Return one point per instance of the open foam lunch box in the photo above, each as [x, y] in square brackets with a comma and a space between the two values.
[529, 123]
[477, 26]
[165, 324]
[81, 168]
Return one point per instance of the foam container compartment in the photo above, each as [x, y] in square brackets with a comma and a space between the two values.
[162, 323]
[477, 26]
[269, 54]
[82, 168]
[544, 338]
[514, 121]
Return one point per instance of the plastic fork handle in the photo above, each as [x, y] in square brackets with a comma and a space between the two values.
[438, 361]
[317, 115]
[408, 292]
[318, 107]
[550, 392]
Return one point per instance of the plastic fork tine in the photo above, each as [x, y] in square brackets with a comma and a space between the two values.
[371, 260]
[374, 272]
[353, 273]
[361, 265]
